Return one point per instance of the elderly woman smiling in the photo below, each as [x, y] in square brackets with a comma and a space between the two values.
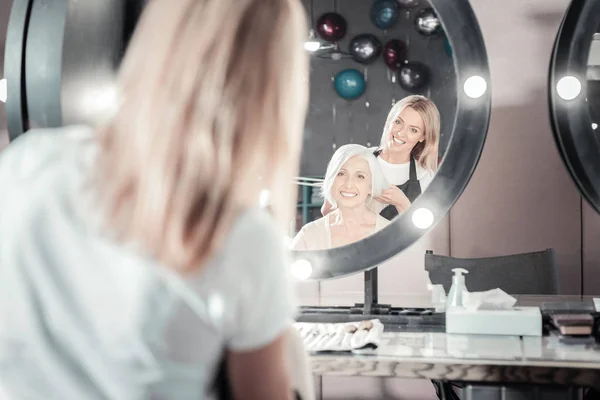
[352, 182]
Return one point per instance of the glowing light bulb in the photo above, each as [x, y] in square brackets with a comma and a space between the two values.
[422, 218]
[301, 269]
[3, 91]
[475, 87]
[568, 87]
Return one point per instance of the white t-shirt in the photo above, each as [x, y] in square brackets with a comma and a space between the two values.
[82, 317]
[398, 174]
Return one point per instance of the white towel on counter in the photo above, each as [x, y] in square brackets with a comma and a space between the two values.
[348, 336]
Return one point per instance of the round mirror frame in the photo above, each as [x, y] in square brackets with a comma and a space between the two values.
[468, 135]
[570, 119]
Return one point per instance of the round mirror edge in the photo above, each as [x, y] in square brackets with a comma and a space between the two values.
[459, 21]
[18, 23]
[568, 117]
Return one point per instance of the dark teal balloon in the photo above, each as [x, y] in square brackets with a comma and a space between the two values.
[447, 47]
[349, 84]
[384, 13]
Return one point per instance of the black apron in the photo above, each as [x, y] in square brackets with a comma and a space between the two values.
[411, 188]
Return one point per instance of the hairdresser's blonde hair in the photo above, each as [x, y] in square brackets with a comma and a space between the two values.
[213, 101]
[426, 152]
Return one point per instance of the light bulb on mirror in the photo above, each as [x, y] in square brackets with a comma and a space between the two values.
[301, 269]
[568, 87]
[475, 87]
[422, 218]
[3, 91]
[594, 125]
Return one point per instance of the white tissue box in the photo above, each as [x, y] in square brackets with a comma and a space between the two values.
[520, 321]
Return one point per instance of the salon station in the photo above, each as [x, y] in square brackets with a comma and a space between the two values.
[447, 235]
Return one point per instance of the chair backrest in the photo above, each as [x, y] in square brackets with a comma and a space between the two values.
[528, 273]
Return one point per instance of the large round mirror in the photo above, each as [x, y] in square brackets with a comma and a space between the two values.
[399, 109]
[574, 95]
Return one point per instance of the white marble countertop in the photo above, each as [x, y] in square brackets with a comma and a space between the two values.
[489, 358]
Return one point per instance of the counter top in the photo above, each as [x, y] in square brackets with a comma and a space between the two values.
[476, 358]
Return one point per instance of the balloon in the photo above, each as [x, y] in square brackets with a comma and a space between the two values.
[408, 3]
[413, 76]
[349, 84]
[427, 22]
[447, 47]
[384, 13]
[365, 48]
[331, 26]
[395, 54]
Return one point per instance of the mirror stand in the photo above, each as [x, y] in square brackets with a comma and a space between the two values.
[394, 318]
[371, 305]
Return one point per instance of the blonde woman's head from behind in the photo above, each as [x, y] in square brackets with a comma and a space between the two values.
[213, 101]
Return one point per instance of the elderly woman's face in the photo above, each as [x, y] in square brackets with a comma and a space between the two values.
[407, 130]
[352, 185]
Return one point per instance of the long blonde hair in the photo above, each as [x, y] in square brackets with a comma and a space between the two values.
[425, 152]
[213, 98]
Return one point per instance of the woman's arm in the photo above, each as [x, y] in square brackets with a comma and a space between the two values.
[395, 197]
[261, 374]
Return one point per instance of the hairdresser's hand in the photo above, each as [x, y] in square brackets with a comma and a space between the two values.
[395, 197]
[326, 208]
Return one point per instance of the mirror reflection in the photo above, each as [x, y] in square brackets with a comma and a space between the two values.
[383, 92]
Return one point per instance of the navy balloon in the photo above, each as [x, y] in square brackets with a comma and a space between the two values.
[413, 76]
[384, 13]
[447, 47]
[349, 84]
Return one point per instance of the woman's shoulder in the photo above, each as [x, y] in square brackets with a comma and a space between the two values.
[423, 172]
[32, 152]
[315, 225]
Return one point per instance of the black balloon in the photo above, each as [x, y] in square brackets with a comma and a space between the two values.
[365, 48]
[408, 3]
[331, 26]
[413, 76]
[427, 22]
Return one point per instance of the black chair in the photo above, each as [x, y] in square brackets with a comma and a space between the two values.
[528, 273]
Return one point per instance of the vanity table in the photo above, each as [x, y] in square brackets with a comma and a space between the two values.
[478, 362]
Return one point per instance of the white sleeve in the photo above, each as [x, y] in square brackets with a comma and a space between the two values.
[266, 302]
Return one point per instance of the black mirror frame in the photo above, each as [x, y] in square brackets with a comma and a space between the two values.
[570, 119]
[466, 144]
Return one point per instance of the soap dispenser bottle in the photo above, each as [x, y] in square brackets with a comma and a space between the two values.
[455, 295]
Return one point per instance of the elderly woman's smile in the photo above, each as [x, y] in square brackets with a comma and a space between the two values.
[352, 184]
